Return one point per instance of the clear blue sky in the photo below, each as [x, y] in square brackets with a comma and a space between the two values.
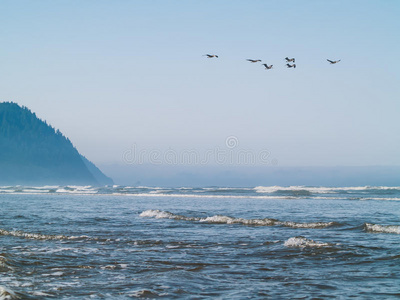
[110, 74]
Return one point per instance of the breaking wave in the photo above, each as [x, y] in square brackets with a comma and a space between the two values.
[143, 294]
[309, 225]
[323, 190]
[38, 236]
[220, 219]
[259, 192]
[5, 264]
[217, 219]
[372, 193]
[7, 294]
[302, 242]
[375, 228]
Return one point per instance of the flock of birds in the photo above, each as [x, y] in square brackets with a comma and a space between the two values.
[288, 61]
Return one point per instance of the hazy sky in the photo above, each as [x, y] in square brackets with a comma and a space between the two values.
[112, 74]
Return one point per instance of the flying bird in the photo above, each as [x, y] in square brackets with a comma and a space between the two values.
[290, 59]
[254, 60]
[267, 67]
[210, 55]
[333, 61]
[291, 66]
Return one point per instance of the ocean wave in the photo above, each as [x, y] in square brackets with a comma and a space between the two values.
[7, 294]
[274, 189]
[375, 228]
[221, 219]
[140, 192]
[5, 264]
[260, 192]
[309, 225]
[322, 190]
[158, 214]
[302, 242]
[144, 294]
[379, 199]
[217, 219]
[204, 196]
[38, 236]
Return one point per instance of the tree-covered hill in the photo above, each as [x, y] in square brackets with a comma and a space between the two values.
[32, 152]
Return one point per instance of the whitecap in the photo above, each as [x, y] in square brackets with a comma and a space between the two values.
[230, 220]
[41, 294]
[307, 225]
[207, 196]
[321, 190]
[302, 242]
[221, 219]
[217, 219]
[7, 294]
[375, 228]
[38, 236]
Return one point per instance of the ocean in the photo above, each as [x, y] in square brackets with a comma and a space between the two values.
[75, 242]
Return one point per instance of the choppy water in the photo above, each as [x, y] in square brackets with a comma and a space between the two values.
[237, 243]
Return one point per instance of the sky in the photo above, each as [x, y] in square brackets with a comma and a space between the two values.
[123, 76]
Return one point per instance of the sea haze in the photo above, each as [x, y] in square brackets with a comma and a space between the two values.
[242, 175]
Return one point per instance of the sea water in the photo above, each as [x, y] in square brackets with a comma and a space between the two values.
[73, 242]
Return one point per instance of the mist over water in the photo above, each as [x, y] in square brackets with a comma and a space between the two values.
[258, 242]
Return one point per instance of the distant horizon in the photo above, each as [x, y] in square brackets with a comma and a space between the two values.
[242, 176]
[132, 171]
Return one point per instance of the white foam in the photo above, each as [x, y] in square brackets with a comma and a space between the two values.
[158, 214]
[217, 219]
[35, 191]
[386, 199]
[76, 191]
[7, 294]
[205, 196]
[307, 225]
[229, 220]
[321, 190]
[4, 263]
[41, 294]
[382, 228]
[302, 242]
[221, 219]
[47, 187]
[38, 236]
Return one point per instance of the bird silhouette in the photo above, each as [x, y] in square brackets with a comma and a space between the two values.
[267, 67]
[290, 59]
[333, 61]
[254, 60]
[291, 66]
[210, 55]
